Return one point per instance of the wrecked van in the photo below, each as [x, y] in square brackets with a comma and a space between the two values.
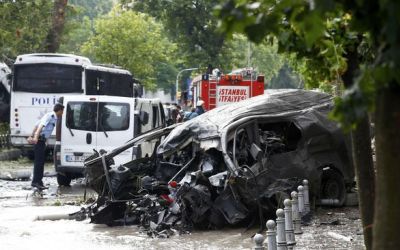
[232, 165]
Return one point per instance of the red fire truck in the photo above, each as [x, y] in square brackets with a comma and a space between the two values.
[217, 90]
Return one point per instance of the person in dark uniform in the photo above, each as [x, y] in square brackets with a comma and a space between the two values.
[40, 134]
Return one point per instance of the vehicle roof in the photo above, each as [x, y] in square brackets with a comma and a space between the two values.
[104, 98]
[108, 69]
[53, 58]
[274, 102]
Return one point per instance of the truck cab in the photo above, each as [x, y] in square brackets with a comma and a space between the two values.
[93, 123]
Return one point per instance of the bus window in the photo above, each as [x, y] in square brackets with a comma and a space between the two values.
[48, 78]
[108, 83]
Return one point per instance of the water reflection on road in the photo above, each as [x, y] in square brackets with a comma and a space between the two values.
[18, 230]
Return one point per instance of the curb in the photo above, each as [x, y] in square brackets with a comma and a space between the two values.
[11, 154]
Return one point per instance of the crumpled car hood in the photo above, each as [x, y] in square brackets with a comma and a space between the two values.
[212, 123]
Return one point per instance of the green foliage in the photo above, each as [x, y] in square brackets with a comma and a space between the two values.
[286, 79]
[240, 53]
[132, 40]
[4, 128]
[192, 25]
[24, 26]
[319, 34]
[80, 19]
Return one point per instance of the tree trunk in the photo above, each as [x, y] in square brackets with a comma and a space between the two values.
[54, 36]
[387, 203]
[362, 158]
[362, 155]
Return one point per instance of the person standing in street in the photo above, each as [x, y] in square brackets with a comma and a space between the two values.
[190, 115]
[40, 134]
[200, 108]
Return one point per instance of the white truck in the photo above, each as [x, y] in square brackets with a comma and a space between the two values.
[101, 123]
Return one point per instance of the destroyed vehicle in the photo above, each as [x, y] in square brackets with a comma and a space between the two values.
[229, 166]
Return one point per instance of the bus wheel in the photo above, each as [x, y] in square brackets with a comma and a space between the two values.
[63, 179]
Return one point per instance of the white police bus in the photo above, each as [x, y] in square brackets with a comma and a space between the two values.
[40, 79]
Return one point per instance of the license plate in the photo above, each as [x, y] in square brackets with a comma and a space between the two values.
[74, 158]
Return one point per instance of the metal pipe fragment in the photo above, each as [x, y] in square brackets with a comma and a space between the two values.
[329, 202]
[339, 236]
[54, 217]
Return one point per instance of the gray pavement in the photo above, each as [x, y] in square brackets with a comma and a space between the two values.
[329, 228]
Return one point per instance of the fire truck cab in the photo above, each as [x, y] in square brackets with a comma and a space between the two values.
[217, 90]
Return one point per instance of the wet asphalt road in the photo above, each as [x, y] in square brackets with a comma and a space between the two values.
[19, 229]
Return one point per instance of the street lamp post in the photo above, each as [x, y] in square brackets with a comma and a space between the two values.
[176, 83]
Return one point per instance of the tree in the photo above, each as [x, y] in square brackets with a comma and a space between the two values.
[24, 26]
[80, 20]
[132, 40]
[240, 52]
[192, 25]
[286, 79]
[327, 34]
[53, 38]
[302, 26]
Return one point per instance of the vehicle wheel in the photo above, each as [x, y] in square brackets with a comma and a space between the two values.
[333, 187]
[63, 179]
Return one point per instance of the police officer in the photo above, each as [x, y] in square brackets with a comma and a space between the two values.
[41, 132]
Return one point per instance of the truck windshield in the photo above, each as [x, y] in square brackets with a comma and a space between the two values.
[85, 116]
[48, 78]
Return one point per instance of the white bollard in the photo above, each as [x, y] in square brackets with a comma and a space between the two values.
[280, 229]
[271, 235]
[290, 239]
[300, 196]
[306, 197]
[295, 214]
[259, 240]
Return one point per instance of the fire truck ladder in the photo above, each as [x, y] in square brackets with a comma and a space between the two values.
[212, 92]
